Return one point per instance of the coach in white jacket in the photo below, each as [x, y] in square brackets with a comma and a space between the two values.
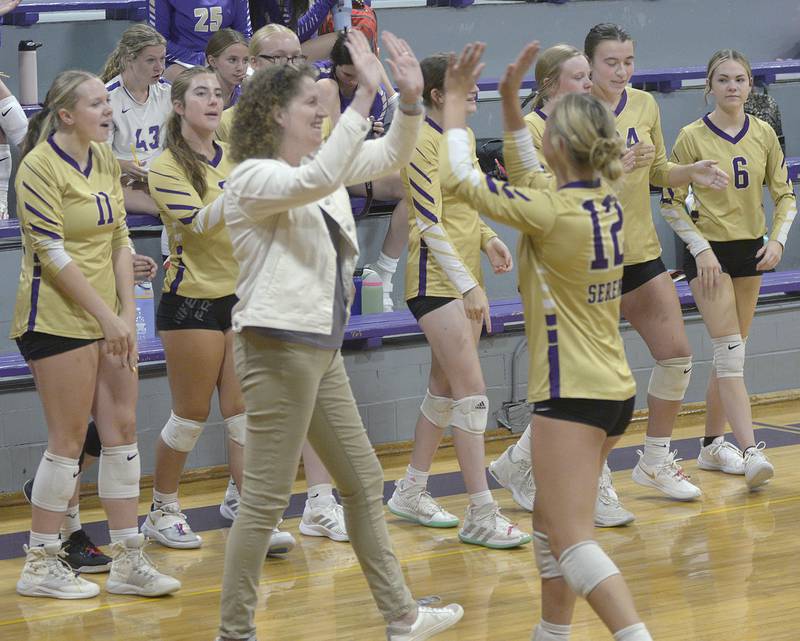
[294, 236]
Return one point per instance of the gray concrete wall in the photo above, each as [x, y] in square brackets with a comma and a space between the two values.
[389, 384]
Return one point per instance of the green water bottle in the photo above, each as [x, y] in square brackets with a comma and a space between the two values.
[371, 292]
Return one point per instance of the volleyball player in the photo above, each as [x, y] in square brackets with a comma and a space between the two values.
[74, 322]
[727, 251]
[649, 300]
[275, 44]
[560, 70]
[444, 285]
[338, 84]
[294, 236]
[227, 55]
[188, 25]
[140, 99]
[570, 265]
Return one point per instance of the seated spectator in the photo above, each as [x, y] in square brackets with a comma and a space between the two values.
[188, 25]
[227, 55]
[301, 19]
[141, 102]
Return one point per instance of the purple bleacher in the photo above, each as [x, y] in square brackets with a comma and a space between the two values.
[27, 13]
[670, 79]
[369, 331]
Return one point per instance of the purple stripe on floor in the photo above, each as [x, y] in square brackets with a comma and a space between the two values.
[449, 484]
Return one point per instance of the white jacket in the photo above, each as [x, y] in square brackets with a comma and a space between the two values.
[287, 262]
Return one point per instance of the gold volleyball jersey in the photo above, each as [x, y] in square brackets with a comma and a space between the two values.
[535, 122]
[201, 265]
[570, 267]
[464, 231]
[60, 203]
[639, 120]
[751, 158]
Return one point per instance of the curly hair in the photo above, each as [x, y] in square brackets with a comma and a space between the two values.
[255, 132]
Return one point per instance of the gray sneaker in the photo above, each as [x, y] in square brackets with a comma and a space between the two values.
[608, 511]
[169, 527]
[414, 503]
[516, 477]
[486, 526]
[132, 572]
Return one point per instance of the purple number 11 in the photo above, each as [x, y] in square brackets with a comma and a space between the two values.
[103, 201]
[600, 260]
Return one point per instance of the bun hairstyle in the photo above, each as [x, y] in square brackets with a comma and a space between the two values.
[264, 33]
[548, 71]
[723, 55]
[255, 133]
[63, 94]
[434, 69]
[588, 131]
[133, 40]
[601, 32]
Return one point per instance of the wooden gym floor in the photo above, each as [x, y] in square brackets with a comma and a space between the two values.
[724, 568]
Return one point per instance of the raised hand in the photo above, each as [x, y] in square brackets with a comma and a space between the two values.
[367, 66]
[8, 5]
[404, 67]
[512, 78]
[463, 72]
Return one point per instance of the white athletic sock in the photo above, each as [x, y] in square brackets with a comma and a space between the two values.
[522, 450]
[320, 493]
[416, 477]
[386, 264]
[481, 498]
[635, 632]
[120, 536]
[39, 539]
[160, 499]
[656, 450]
[546, 631]
[72, 521]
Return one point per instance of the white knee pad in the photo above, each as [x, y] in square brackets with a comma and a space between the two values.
[545, 560]
[181, 434]
[584, 566]
[13, 120]
[119, 472]
[729, 354]
[437, 409]
[471, 413]
[54, 482]
[670, 378]
[237, 428]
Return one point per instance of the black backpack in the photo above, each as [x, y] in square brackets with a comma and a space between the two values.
[490, 157]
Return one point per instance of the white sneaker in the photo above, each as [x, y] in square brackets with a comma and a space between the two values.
[516, 477]
[721, 455]
[486, 526]
[430, 622]
[169, 527]
[281, 542]
[324, 518]
[414, 503]
[757, 469]
[667, 478]
[229, 507]
[46, 573]
[608, 511]
[132, 572]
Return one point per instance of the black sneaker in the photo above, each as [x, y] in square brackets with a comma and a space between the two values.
[83, 555]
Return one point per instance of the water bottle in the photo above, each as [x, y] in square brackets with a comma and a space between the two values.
[28, 73]
[145, 313]
[343, 15]
[371, 292]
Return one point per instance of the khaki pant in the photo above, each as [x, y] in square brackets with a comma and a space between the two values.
[292, 391]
